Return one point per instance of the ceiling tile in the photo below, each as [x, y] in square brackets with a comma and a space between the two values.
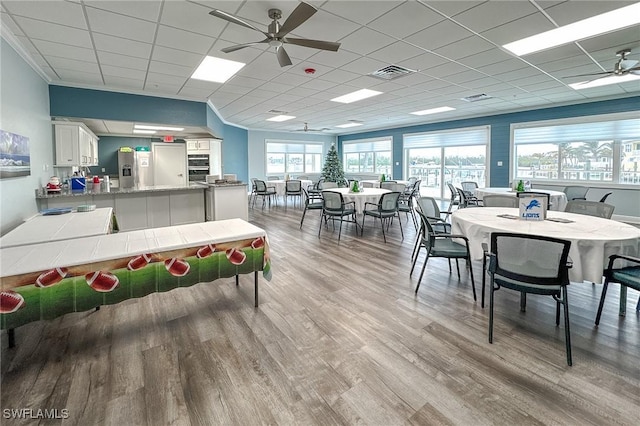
[183, 40]
[568, 12]
[114, 60]
[171, 69]
[35, 29]
[364, 66]
[396, 52]
[55, 12]
[123, 72]
[72, 64]
[148, 9]
[520, 28]
[48, 48]
[406, 19]
[365, 40]
[493, 14]
[123, 82]
[83, 77]
[157, 78]
[118, 45]
[438, 35]
[175, 56]
[362, 15]
[191, 17]
[470, 46]
[126, 27]
[334, 59]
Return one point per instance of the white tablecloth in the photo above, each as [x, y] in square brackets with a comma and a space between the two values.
[281, 185]
[68, 226]
[557, 199]
[593, 239]
[369, 195]
[376, 183]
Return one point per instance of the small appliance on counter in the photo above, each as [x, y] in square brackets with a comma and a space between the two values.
[78, 183]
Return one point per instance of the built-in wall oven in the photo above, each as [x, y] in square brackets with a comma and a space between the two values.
[198, 165]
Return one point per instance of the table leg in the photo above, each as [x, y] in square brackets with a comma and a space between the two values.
[256, 287]
[11, 335]
[237, 280]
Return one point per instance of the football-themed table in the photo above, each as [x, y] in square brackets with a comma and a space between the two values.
[45, 281]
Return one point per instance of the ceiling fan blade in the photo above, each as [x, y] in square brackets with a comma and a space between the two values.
[283, 58]
[628, 64]
[590, 74]
[242, 46]
[299, 15]
[316, 44]
[233, 19]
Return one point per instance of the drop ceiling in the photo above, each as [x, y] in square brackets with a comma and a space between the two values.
[152, 47]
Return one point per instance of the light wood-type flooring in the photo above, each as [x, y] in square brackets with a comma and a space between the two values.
[339, 338]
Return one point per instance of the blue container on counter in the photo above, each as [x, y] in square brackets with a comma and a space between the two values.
[78, 183]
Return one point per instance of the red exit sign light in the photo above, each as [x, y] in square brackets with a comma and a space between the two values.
[167, 139]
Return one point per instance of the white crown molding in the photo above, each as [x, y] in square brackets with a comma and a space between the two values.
[8, 36]
[217, 113]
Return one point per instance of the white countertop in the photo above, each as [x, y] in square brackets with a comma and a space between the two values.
[68, 226]
[38, 257]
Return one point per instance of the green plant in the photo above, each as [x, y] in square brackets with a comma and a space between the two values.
[332, 170]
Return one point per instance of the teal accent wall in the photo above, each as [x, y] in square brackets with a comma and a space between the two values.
[88, 103]
[25, 111]
[235, 152]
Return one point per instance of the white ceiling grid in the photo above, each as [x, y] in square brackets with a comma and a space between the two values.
[153, 46]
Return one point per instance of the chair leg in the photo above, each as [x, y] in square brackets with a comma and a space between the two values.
[567, 332]
[602, 296]
[400, 223]
[322, 216]
[458, 268]
[362, 226]
[484, 278]
[304, 212]
[473, 283]
[340, 231]
[491, 296]
[523, 301]
[382, 225]
[415, 260]
[424, 266]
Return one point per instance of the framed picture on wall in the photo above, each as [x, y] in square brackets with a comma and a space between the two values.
[15, 159]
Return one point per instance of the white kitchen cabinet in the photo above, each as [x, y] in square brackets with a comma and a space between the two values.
[76, 145]
[198, 146]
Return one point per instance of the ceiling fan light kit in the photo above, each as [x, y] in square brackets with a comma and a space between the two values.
[276, 33]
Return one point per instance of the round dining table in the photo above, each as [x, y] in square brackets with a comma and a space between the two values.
[376, 183]
[281, 185]
[593, 239]
[558, 199]
[366, 195]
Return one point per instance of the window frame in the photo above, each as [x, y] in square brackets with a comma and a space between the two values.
[286, 154]
[382, 139]
[617, 148]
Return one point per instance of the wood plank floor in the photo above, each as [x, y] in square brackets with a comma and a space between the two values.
[339, 338]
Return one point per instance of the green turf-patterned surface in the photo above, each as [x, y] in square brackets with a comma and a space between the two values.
[73, 294]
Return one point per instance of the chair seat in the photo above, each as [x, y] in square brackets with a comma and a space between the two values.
[345, 212]
[378, 214]
[529, 288]
[447, 248]
[630, 276]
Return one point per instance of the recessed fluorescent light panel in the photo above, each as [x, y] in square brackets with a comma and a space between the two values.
[144, 132]
[347, 125]
[217, 70]
[614, 79]
[145, 127]
[356, 96]
[599, 24]
[433, 110]
[281, 118]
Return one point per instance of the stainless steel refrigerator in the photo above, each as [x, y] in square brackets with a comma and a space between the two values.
[135, 167]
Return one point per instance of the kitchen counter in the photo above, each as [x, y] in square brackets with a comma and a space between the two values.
[113, 191]
[139, 207]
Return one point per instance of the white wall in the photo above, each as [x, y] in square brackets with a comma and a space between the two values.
[257, 157]
[24, 110]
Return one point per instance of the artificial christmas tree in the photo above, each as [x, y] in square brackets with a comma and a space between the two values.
[332, 170]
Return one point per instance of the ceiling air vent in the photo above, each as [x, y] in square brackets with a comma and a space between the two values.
[476, 98]
[275, 111]
[390, 72]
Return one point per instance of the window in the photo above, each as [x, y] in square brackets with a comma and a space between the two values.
[450, 156]
[368, 156]
[293, 157]
[597, 149]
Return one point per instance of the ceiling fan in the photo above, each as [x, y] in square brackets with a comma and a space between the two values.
[276, 33]
[307, 129]
[623, 66]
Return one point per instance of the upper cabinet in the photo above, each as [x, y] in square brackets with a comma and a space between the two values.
[200, 145]
[76, 145]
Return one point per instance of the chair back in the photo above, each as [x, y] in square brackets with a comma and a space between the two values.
[293, 186]
[529, 260]
[388, 184]
[469, 187]
[605, 196]
[328, 185]
[311, 200]
[397, 187]
[332, 201]
[428, 206]
[576, 192]
[464, 198]
[388, 202]
[498, 200]
[273, 177]
[590, 208]
[261, 186]
[523, 194]
[368, 185]
[412, 180]
[454, 193]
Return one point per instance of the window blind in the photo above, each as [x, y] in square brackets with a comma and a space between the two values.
[579, 132]
[458, 137]
[367, 145]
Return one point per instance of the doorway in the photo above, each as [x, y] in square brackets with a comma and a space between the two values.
[169, 164]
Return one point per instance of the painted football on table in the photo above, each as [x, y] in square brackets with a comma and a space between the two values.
[10, 301]
[51, 277]
[235, 256]
[177, 267]
[139, 262]
[102, 281]
[206, 251]
[257, 243]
